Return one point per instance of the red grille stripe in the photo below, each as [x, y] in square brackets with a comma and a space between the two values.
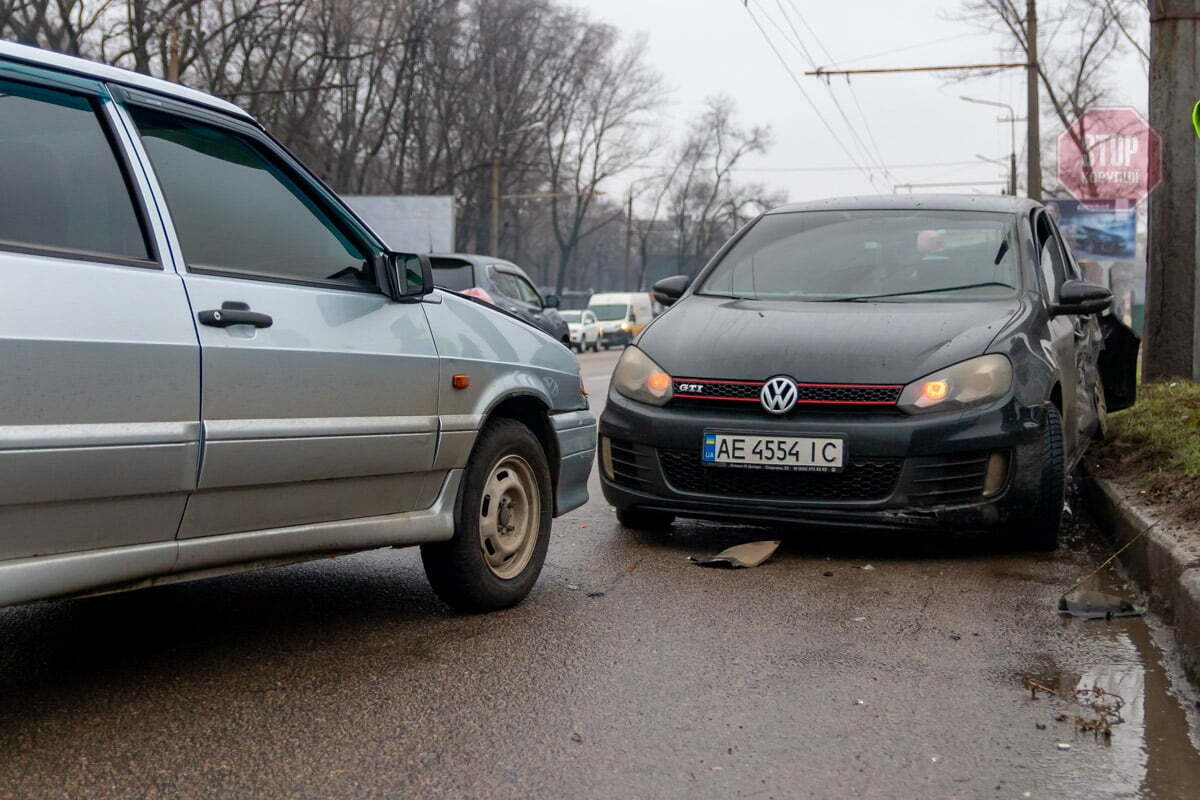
[798, 383]
[853, 385]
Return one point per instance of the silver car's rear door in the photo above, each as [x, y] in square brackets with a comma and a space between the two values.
[99, 362]
[319, 393]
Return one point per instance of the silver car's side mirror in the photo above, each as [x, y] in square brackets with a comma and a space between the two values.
[406, 276]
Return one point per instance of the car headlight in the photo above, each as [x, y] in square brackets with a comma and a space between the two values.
[639, 378]
[965, 384]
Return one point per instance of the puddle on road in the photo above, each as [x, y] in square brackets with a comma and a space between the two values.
[1155, 752]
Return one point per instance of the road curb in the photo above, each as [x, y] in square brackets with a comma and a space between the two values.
[1165, 560]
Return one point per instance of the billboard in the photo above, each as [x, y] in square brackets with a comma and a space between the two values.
[409, 223]
[1102, 232]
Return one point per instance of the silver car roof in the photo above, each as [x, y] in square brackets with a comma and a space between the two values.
[102, 72]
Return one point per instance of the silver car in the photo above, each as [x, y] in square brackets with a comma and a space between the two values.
[209, 364]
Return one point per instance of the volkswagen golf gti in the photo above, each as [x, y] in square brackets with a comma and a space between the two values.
[921, 362]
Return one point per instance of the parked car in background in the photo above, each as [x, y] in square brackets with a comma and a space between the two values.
[900, 362]
[585, 330]
[209, 364]
[503, 284]
[621, 315]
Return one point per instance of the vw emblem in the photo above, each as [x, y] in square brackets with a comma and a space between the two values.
[778, 395]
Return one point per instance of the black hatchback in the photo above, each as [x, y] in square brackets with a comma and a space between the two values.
[504, 285]
[915, 362]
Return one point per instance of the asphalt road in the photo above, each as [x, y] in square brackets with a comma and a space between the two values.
[627, 673]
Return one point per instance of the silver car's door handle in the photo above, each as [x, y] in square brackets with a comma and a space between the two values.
[232, 313]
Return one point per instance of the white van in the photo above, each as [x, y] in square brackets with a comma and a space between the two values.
[621, 315]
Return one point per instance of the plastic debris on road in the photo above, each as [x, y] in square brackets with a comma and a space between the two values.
[741, 556]
[1097, 605]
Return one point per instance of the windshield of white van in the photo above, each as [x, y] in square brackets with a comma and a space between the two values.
[610, 313]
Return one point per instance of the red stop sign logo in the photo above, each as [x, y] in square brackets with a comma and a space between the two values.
[1110, 153]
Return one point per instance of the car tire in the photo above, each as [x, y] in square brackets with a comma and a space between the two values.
[596, 345]
[1042, 533]
[641, 519]
[502, 524]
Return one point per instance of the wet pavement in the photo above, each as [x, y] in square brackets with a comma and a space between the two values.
[629, 672]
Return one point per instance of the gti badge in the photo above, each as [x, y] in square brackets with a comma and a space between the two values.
[779, 394]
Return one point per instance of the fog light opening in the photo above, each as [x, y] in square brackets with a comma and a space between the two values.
[606, 456]
[997, 473]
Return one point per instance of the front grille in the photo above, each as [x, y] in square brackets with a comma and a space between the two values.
[863, 479]
[842, 396]
[948, 479]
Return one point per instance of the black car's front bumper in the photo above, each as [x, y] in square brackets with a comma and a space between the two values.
[902, 471]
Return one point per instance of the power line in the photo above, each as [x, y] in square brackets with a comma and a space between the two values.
[804, 93]
[843, 168]
[893, 51]
[853, 93]
[798, 45]
[797, 42]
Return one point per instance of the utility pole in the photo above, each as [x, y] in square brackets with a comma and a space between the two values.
[494, 239]
[1033, 133]
[1172, 348]
[628, 237]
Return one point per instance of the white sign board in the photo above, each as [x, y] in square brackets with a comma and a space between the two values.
[409, 223]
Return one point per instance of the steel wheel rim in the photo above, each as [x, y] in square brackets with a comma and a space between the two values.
[510, 513]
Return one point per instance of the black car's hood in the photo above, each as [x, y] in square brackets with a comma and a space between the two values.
[713, 337]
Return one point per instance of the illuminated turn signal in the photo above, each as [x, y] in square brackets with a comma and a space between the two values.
[935, 391]
[658, 383]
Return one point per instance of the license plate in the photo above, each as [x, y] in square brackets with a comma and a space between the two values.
[799, 453]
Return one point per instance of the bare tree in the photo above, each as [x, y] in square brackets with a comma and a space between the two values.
[705, 205]
[599, 134]
[1074, 59]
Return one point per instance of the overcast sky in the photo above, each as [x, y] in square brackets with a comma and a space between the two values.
[705, 47]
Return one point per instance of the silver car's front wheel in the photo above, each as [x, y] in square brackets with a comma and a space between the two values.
[502, 525]
[509, 517]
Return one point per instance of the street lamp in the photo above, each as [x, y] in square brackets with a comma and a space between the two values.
[1004, 162]
[494, 238]
[1012, 118]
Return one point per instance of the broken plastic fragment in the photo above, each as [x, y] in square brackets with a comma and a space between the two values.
[867, 568]
[739, 556]
[1064, 746]
[1097, 605]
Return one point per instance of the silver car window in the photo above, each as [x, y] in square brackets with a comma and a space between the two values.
[63, 185]
[237, 210]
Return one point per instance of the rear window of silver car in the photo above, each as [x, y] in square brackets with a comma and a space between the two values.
[63, 186]
[892, 256]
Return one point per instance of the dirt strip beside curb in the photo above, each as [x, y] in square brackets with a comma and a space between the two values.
[1165, 560]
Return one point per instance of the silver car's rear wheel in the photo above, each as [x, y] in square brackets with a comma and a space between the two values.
[510, 514]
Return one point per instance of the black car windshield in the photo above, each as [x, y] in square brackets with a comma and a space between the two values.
[609, 313]
[885, 256]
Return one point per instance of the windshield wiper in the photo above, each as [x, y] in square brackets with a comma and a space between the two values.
[919, 291]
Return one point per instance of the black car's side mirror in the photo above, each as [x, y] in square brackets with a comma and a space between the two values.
[550, 301]
[1081, 297]
[405, 276]
[668, 290]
